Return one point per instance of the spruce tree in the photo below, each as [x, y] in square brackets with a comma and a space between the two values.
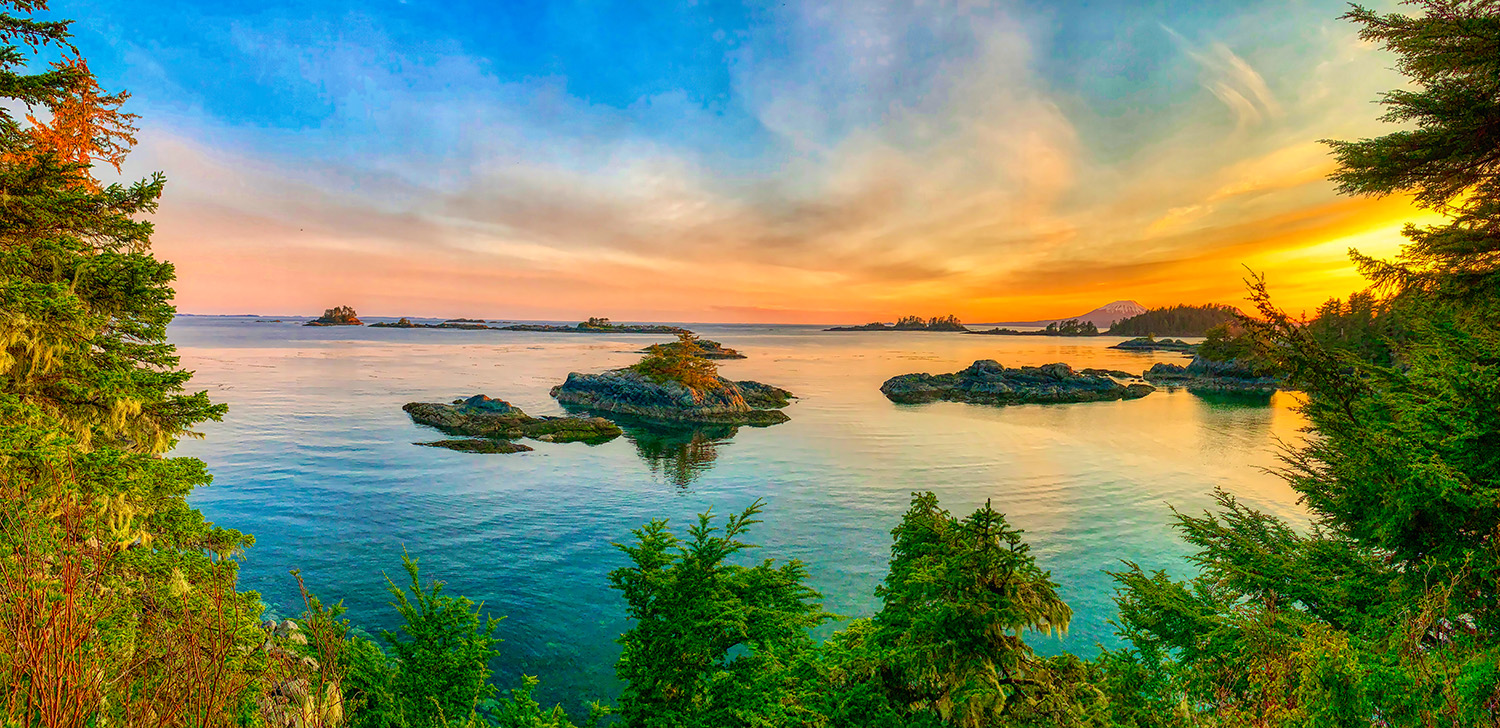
[119, 602]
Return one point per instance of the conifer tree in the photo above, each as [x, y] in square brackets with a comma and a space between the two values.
[119, 603]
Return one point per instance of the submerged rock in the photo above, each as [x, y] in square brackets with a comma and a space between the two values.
[479, 445]
[1203, 375]
[632, 393]
[336, 316]
[497, 420]
[987, 382]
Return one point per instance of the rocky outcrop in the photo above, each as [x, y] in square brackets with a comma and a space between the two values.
[337, 316]
[488, 424]
[606, 329]
[1147, 343]
[987, 382]
[629, 392]
[298, 693]
[406, 323]
[706, 349]
[1203, 375]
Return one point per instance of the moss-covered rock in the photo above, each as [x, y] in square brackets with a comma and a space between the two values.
[987, 382]
[630, 392]
[497, 420]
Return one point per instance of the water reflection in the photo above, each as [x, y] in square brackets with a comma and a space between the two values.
[1234, 399]
[678, 453]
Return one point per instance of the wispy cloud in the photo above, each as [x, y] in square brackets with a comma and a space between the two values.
[864, 160]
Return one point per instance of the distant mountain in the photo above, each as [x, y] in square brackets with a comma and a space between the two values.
[1101, 317]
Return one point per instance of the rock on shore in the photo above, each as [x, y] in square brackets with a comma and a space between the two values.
[987, 382]
[1203, 375]
[498, 421]
[629, 392]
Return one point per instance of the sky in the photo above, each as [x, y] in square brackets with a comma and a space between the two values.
[697, 161]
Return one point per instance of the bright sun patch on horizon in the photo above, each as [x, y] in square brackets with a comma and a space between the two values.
[799, 162]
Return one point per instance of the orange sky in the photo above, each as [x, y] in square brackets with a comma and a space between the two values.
[992, 188]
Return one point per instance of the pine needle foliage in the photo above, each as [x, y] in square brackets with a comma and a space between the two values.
[682, 362]
[119, 601]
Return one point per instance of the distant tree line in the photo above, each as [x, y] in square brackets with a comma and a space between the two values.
[1179, 320]
[936, 323]
[1072, 327]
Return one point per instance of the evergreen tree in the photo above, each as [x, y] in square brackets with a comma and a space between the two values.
[710, 639]
[1386, 613]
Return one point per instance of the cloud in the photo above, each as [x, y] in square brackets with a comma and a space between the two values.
[888, 159]
[1233, 81]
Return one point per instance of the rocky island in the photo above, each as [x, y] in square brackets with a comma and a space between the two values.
[910, 323]
[1071, 327]
[706, 349]
[987, 382]
[406, 323]
[1209, 376]
[598, 326]
[675, 383]
[1151, 343]
[336, 316]
[490, 425]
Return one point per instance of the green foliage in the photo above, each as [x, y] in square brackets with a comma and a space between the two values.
[957, 600]
[1386, 612]
[681, 362]
[118, 597]
[1445, 158]
[442, 652]
[709, 636]
[1364, 327]
[1179, 320]
[935, 323]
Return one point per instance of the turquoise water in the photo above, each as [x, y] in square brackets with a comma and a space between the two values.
[315, 460]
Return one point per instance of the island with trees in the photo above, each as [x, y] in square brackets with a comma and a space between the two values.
[337, 316]
[1179, 320]
[910, 323]
[1071, 327]
[598, 326]
[675, 384]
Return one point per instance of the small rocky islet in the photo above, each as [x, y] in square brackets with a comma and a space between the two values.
[656, 389]
[1208, 376]
[706, 349]
[627, 391]
[406, 323]
[988, 382]
[490, 425]
[337, 316]
[1149, 343]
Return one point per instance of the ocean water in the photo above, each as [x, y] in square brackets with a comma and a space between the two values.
[315, 458]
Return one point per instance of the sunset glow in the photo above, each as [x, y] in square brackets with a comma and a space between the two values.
[800, 162]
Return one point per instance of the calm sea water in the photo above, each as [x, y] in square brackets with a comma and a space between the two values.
[315, 459]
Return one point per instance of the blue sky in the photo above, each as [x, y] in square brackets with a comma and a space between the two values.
[723, 161]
